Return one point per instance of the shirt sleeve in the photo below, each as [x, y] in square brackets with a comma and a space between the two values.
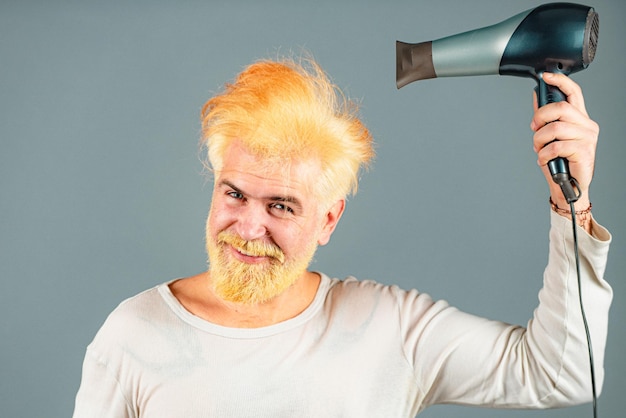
[464, 359]
[100, 394]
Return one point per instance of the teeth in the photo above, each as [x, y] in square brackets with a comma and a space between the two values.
[246, 253]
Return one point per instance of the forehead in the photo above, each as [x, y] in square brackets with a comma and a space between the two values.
[295, 176]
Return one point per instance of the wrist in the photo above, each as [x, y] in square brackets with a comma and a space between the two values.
[582, 212]
[558, 198]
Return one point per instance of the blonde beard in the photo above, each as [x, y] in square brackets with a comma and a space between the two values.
[245, 283]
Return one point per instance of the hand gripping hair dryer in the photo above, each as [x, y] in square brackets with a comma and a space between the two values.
[556, 37]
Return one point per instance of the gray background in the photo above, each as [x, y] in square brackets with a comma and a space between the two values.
[102, 191]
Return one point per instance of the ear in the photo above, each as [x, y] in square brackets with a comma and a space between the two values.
[331, 218]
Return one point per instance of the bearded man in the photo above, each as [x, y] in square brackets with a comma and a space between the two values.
[259, 335]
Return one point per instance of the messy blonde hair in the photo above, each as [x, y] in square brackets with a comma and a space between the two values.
[285, 111]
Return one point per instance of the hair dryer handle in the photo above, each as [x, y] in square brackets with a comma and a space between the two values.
[547, 93]
[559, 167]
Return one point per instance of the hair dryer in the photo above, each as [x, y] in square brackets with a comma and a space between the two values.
[556, 37]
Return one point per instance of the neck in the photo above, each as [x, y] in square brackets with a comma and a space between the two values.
[285, 306]
[197, 296]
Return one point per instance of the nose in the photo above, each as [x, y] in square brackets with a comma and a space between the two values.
[251, 222]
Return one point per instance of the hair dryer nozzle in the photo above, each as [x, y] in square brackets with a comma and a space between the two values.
[414, 62]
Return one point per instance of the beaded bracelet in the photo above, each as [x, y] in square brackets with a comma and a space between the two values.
[582, 216]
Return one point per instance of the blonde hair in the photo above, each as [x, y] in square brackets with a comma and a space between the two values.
[285, 111]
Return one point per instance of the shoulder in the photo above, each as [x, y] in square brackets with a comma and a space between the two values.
[351, 287]
[132, 319]
[358, 295]
[142, 305]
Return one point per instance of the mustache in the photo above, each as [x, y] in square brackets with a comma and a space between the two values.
[254, 248]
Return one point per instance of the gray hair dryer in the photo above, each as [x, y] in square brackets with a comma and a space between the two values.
[556, 37]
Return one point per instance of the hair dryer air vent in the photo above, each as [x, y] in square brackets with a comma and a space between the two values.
[592, 29]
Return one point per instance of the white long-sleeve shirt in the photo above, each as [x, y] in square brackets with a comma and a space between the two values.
[361, 349]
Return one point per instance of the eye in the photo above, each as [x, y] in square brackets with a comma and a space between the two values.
[281, 209]
[235, 195]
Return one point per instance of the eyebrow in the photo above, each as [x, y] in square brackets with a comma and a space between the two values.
[277, 198]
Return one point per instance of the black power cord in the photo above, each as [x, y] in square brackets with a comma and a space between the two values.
[582, 311]
[571, 192]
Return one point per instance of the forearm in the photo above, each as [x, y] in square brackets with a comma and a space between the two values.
[557, 329]
[470, 360]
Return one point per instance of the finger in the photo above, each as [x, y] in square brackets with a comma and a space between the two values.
[580, 159]
[564, 133]
[570, 89]
[563, 112]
